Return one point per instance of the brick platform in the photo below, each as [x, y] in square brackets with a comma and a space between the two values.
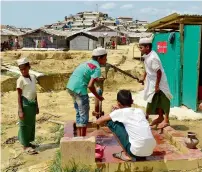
[170, 153]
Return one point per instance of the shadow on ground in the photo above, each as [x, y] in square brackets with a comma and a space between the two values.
[45, 147]
[180, 127]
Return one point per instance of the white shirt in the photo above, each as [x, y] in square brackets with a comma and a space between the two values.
[27, 86]
[152, 65]
[138, 129]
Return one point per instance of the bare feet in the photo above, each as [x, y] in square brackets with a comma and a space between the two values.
[157, 121]
[30, 151]
[163, 125]
[122, 155]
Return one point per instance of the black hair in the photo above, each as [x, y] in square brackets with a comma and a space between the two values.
[27, 64]
[149, 45]
[96, 57]
[124, 97]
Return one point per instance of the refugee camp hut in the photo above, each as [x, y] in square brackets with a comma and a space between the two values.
[7, 34]
[134, 36]
[82, 41]
[177, 40]
[46, 38]
[105, 34]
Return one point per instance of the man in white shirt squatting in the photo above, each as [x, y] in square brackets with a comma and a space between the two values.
[156, 91]
[131, 129]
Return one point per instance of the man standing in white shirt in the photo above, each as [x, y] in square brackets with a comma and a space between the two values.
[131, 128]
[156, 91]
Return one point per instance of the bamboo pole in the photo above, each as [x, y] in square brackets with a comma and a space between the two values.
[116, 42]
[181, 61]
[125, 73]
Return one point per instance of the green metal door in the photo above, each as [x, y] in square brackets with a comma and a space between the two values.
[191, 61]
[171, 63]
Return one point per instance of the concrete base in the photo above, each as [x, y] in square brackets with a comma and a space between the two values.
[152, 166]
[77, 150]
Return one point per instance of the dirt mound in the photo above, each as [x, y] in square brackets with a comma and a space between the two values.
[48, 62]
[51, 66]
[12, 55]
[37, 56]
[60, 56]
[115, 59]
[116, 81]
[81, 54]
[53, 82]
[138, 70]
[58, 65]
[8, 83]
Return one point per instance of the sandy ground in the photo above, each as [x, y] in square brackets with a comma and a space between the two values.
[58, 105]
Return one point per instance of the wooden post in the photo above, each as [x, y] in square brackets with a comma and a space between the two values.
[116, 39]
[181, 60]
[88, 43]
[199, 68]
[133, 52]
[56, 43]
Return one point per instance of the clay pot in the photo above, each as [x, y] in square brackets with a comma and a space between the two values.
[191, 141]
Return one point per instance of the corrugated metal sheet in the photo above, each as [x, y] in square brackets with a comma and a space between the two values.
[58, 32]
[108, 21]
[51, 32]
[101, 27]
[8, 32]
[112, 27]
[138, 35]
[87, 34]
[79, 43]
[92, 44]
[171, 63]
[175, 16]
[125, 18]
[190, 15]
[137, 29]
[162, 20]
[75, 29]
[191, 61]
[89, 31]
[104, 34]
[77, 24]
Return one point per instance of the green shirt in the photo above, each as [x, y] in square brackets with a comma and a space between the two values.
[82, 75]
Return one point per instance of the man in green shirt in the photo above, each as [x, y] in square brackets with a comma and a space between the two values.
[84, 77]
